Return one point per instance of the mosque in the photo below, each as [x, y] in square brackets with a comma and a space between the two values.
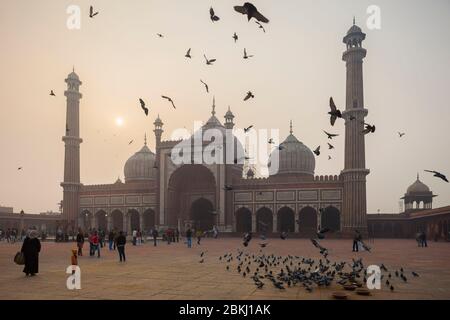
[156, 193]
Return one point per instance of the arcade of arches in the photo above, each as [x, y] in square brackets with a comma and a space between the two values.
[305, 223]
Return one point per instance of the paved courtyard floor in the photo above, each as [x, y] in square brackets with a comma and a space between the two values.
[174, 272]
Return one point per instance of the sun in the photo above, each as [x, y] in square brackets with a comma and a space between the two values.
[119, 121]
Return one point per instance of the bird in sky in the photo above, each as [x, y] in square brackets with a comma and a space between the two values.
[248, 96]
[188, 54]
[235, 37]
[334, 113]
[143, 106]
[368, 128]
[213, 16]
[19, 168]
[330, 146]
[438, 175]
[317, 151]
[260, 26]
[210, 61]
[160, 35]
[91, 12]
[401, 134]
[206, 86]
[52, 93]
[245, 54]
[251, 11]
[170, 100]
[329, 157]
[330, 135]
[248, 129]
[130, 142]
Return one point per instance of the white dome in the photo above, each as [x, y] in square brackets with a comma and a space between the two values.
[141, 166]
[294, 158]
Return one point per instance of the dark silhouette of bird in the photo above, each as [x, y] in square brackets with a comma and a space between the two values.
[213, 16]
[392, 288]
[188, 54]
[329, 157]
[271, 141]
[143, 106]
[248, 96]
[160, 35]
[251, 11]
[368, 128]
[330, 135]
[401, 134]
[91, 12]
[334, 113]
[170, 100]
[210, 61]
[330, 146]
[317, 151]
[245, 54]
[52, 93]
[415, 274]
[206, 86]
[352, 118]
[130, 142]
[261, 26]
[283, 235]
[19, 168]
[235, 37]
[201, 261]
[438, 175]
[228, 188]
[248, 129]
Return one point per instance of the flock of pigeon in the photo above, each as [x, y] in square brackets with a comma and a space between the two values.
[252, 12]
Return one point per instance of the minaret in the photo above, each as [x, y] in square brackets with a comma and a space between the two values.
[71, 184]
[158, 166]
[354, 209]
[229, 116]
[158, 130]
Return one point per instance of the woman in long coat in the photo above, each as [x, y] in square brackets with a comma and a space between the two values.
[31, 248]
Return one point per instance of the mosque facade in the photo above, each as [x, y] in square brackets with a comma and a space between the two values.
[157, 193]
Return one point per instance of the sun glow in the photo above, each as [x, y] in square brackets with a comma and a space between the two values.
[119, 121]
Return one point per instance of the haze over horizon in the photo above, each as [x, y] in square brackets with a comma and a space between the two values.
[296, 67]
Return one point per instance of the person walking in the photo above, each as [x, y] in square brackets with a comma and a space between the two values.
[80, 242]
[96, 244]
[121, 241]
[177, 234]
[356, 239]
[189, 238]
[134, 237]
[30, 248]
[155, 236]
[111, 237]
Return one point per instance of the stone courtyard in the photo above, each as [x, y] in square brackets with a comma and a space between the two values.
[174, 272]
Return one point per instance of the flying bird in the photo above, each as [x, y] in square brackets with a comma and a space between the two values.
[130, 142]
[251, 11]
[401, 134]
[334, 113]
[330, 135]
[209, 62]
[438, 175]
[170, 100]
[260, 26]
[329, 157]
[143, 106]
[206, 86]
[188, 54]
[271, 141]
[52, 93]
[213, 16]
[91, 12]
[245, 54]
[235, 37]
[248, 96]
[330, 146]
[368, 128]
[160, 35]
[317, 151]
[248, 129]
[19, 168]
[228, 188]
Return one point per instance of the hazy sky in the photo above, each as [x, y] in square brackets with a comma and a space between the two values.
[296, 68]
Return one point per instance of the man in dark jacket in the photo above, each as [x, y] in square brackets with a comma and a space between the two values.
[121, 241]
[189, 237]
[356, 239]
[155, 236]
[111, 236]
[80, 242]
[30, 248]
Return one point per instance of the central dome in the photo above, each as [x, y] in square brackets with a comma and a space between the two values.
[141, 166]
[294, 158]
[418, 187]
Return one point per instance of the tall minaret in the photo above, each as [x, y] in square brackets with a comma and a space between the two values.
[354, 205]
[71, 184]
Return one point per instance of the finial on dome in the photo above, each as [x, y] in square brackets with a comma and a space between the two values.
[354, 20]
[417, 176]
[290, 127]
[213, 112]
[145, 139]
